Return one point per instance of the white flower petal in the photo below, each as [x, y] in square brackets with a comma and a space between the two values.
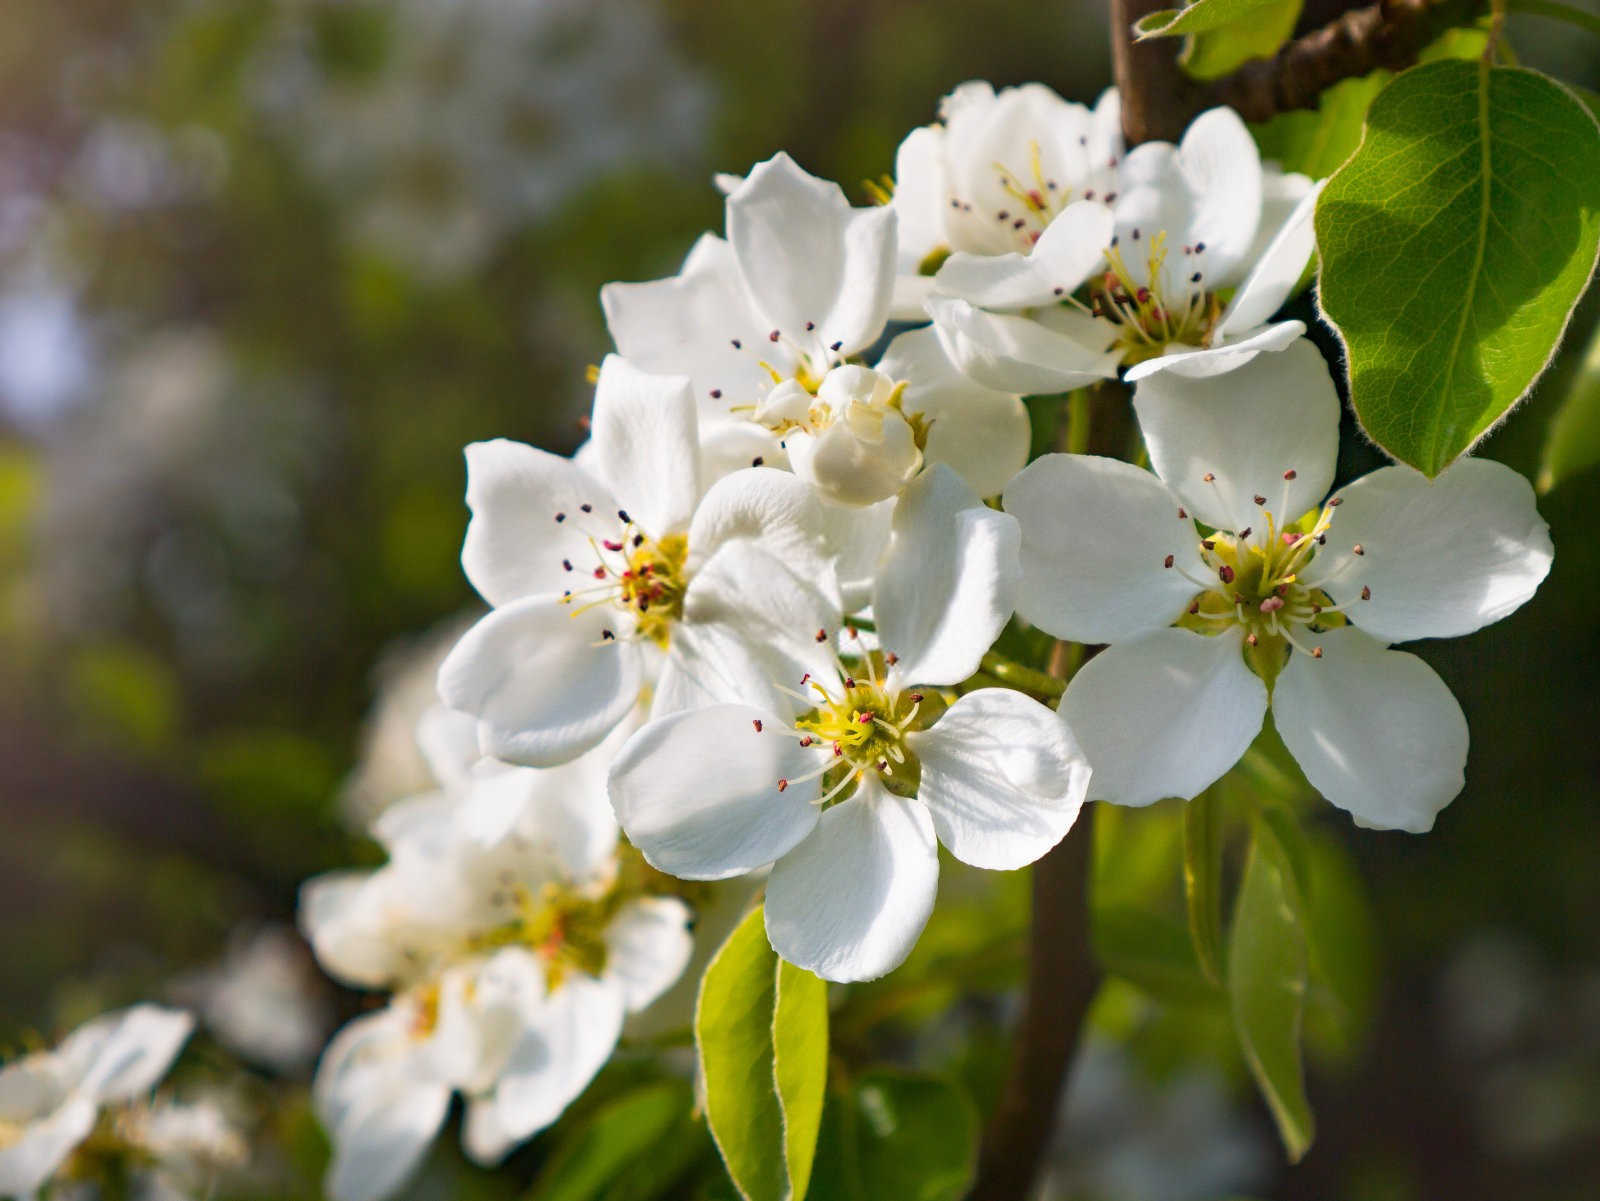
[647, 947]
[981, 433]
[1442, 558]
[1165, 715]
[515, 547]
[920, 196]
[1376, 731]
[1002, 776]
[382, 1139]
[449, 743]
[849, 902]
[1271, 281]
[749, 624]
[1095, 534]
[1222, 358]
[646, 445]
[542, 679]
[1070, 250]
[137, 1052]
[707, 825]
[689, 323]
[574, 1034]
[337, 916]
[807, 256]
[483, 1137]
[770, 508]
[1016, 354]
[42, 1145]
[1277, 414]
[948, 584]
[857, 537]
[1221, 168]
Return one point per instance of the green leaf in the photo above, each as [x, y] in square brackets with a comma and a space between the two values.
[800, 1065]
[1573, 441]
[761, 1031]
[1199, 17]
[895, 1134]
[1455, 243]
[1152, 952]
[1267, 977]
[614, 1141]
[1219, 52]
[1202, 880]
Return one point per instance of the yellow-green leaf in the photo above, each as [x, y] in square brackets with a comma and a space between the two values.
[1267, 977]
[1573, 441]
[1202, 880]
[761, 1031]
[1455, 243]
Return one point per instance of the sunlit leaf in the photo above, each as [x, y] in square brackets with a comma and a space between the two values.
[1455, 243]
[1267, 979]
[1573, 441]
[761, 1030]
[1200, 16]
[1218, 52]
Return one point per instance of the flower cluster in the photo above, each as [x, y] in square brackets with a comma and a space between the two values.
[748, 630]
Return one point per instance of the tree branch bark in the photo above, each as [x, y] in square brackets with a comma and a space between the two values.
[1157, 97]
[1389, 35]
[1062, 977]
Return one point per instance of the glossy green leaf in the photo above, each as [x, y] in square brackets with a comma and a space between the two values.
[1202, 880]
[1455, 243]
[1573, 441]
[1267, 980]
[1199, 17]
[614, 1141]
[900, 1135]
[1218, 52]
[761, 1031]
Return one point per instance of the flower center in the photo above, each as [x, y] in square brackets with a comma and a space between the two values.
[1155, 314]
[1025, 203]
[858, 727]
[1255, 585]
[564, 926]
[643, 576]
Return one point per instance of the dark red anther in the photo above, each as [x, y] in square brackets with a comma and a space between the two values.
[1289, 475]
[773, 336]
[716, 394]
[599, 573]
[611, 545]
[783, 785]
[1259, 499]
[1168, 561]
[1366, 593]
[1225, 574]
[822, 635]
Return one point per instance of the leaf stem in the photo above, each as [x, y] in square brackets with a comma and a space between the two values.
[1024, 679]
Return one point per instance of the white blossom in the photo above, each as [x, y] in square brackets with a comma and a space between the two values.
[50, 1101]
[611, 574]
[847, 785]
[513, 945]
[1086, 267]
[761, 321]
[1208, 620]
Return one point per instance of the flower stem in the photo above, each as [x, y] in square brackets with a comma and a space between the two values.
[1024, 679]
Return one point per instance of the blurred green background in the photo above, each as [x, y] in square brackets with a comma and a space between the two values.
[266, 267]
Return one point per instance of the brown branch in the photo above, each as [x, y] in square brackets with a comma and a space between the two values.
[1157, 97]
[1062, 978]
[1388, 35]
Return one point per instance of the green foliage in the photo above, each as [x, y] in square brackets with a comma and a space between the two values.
[1572, 443]
[761, 1030]
[1217, 52]
[626, 1141]
[1153, 952]
[1455, 243]
[1200, 17]
[1202, 880]
[896, 1134]
[1267, 981]
[126, 692]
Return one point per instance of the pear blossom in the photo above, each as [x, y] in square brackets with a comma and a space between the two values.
[513, 951]
[761, 321]
[51, 1101]
[618, 573]
[993, 173]
[1136, 271]
[847, 784]
[1224, 579]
